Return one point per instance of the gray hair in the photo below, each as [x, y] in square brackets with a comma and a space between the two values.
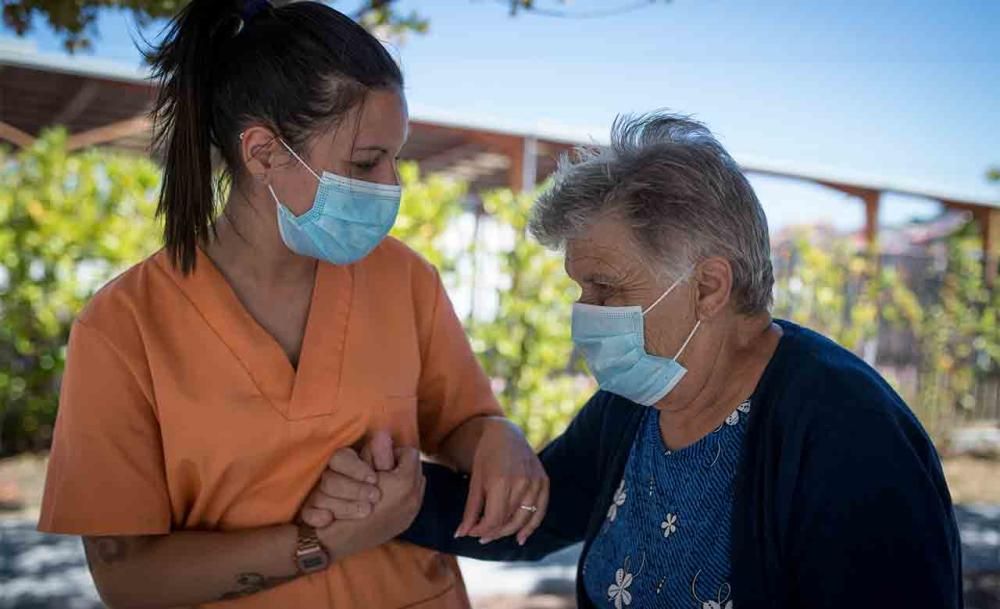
[680, 192]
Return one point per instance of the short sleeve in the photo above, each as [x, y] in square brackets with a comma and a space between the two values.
[106, 472]
[453, 387]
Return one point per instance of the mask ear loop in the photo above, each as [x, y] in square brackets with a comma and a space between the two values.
[680, 280]
[293, 153]
[657, 301]
[688, 341]
[299, 159]
[270, 188]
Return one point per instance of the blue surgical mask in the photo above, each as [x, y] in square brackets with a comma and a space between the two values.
[348, 218]
[613, 342]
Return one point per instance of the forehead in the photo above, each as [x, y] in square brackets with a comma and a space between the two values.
[606, 247]
[380, 122]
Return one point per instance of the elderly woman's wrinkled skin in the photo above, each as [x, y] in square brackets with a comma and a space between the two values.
[726, 356]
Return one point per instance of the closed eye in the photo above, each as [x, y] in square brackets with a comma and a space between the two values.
[365, 166]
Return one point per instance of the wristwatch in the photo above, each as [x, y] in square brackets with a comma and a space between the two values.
[310, 556]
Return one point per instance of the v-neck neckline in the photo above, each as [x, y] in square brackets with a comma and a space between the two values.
[296, 392]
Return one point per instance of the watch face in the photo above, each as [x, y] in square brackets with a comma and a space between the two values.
[313, 561]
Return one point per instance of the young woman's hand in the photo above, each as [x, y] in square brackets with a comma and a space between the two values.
[401, 493]
[348, 488]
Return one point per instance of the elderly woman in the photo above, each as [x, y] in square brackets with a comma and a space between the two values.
[729, 459]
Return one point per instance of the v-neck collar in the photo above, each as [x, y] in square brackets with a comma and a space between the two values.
[296, 394]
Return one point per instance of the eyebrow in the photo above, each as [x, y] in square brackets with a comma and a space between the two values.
[371, 148]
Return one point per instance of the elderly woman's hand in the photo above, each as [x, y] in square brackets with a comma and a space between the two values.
[509, 487]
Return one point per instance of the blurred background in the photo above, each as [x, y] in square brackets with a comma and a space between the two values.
[871, 132]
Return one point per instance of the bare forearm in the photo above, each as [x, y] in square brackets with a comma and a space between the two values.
[190, 567]
[459, 448]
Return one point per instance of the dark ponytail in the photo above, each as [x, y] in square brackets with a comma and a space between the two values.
[225, 64]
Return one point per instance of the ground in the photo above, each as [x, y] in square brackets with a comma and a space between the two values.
[973, 480]
[49, 572]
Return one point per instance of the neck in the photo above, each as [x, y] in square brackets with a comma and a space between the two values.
[248, 244]
[738, 364]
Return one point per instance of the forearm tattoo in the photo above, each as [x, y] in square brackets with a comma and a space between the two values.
[252, 583]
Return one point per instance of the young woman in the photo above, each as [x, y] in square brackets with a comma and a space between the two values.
[207, 387]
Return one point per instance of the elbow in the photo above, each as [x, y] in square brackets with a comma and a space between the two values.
[111, 593]
[116, 592]
[113, 567]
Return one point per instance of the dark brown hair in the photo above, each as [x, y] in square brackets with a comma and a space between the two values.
[225, 64]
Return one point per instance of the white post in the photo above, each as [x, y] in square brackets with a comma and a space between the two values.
[529, 161]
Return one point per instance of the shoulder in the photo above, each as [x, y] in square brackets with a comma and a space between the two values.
[813, 377]
[120, 304]
[834, 409]
[109, 336]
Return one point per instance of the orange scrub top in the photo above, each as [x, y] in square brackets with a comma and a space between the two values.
[178, 411]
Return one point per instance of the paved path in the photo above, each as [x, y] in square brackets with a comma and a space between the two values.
[49, 572]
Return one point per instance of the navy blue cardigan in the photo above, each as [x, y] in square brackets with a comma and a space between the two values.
[840, 497]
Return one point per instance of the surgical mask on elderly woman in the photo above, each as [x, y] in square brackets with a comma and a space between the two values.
[613, 339]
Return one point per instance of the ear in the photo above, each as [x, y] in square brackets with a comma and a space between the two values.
[714, 281]
[262, 152]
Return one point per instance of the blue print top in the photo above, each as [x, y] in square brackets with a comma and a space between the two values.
[665, 541]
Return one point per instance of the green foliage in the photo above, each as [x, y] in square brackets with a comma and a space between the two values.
[844, 294]
[72, 221]
[428, 208]
[68, 223]
[840, 291]
[960, 336]
[825, 288]
[527, 348]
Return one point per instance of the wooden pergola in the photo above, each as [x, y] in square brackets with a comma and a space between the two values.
[104, 104]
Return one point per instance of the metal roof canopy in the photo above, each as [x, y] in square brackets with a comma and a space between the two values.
[106, 104]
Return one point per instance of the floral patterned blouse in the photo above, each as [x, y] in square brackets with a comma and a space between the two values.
[665, 541]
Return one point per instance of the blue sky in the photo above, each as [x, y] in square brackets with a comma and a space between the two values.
[905, 91]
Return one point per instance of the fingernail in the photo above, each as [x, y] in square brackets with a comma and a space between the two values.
[373, 495]
[484, 541]
[370, 480]
[363, 508]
